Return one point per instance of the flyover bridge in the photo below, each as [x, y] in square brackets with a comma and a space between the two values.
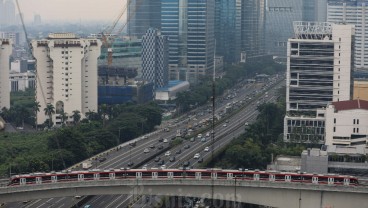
[274, 194]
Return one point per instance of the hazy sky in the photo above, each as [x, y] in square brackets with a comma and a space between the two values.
[59, 10]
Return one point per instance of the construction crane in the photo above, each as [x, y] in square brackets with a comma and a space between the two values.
[107, 36]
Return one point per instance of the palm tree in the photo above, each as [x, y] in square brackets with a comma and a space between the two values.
[49, 110]
[76, 116]
[64, 117]
[36, 108]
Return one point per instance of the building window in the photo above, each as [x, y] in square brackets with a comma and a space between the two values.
[353, 130]
[353, 121]
[334, 129]
[357, 130]
[334, 120]
[357, 121]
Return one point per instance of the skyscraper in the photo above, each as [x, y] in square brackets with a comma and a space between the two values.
[9, 12]
[228, 29]
[155, 58]
[5, 52]
[189, 24]
[315, 10]
[353, 12]
[253, 28]
[66, 74]
[143, 14]
[280, 15]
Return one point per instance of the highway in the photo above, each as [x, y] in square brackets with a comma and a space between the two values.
[120, 158]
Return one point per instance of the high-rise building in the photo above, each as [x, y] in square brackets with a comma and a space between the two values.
[37, 19]
[143, 14]
[353, 12]
[9, 12]
[2, 13]
[253, 28]
[189, 24]
[155, 58]
[315, 10]
[66, 74]
[228, 29]
[319, 65]
[5, 52]
[280, 15]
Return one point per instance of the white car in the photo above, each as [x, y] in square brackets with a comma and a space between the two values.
[196, 156]
[165, 141]
[208, 134]
[146, 150]
[199, 136]
[225, 125]
[168, 153]
[163, 166]
[206, 149]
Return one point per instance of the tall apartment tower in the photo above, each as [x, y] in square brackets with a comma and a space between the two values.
[353, 12]
[5, 52]
[280, 15]
[189, 24]
[155, 58]
[319, 66]
[66, 74]
[143, 14]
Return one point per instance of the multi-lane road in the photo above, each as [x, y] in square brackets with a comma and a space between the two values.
[126, 154]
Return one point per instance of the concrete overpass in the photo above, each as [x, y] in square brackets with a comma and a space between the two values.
[274, 194]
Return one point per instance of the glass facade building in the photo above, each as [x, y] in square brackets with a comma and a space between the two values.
[189, 24]
[228, 29]
[143, 14]
[280, 15]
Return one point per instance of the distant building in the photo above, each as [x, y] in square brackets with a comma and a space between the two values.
[170, 91]
[280, 15]
[353, 12]
[22, 81]
[319, 66]
[314, 10]
[5, 52]
[228, 29]
[37, 19]
[9, 12]
[190, 28]
[143, 14]
[155, 58]
[66, 74]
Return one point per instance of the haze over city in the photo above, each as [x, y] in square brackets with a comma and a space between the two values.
[71, 10]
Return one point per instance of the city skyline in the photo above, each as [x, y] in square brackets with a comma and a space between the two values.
[61, 10]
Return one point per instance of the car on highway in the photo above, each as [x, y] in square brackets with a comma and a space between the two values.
[186, 164]
[203, 139]
[199, 136]
[87, 206]
[161, 162]
[130, 163]
[146, 150]
[192, 139]
[208, 134]
[172, 159]
[225, 125]
[187, 146]
[178, 151]
[160, 147]
[196, 156]
[165, 141]
[145, 137]
[152, 146]
[200, 160]
[160, 139]
[206, 149]
[157, 159]
[168, 153]
[246, 124]
[163, 166]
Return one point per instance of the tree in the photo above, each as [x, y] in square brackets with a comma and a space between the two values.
[36, 108]
[76, 116]
[49, 110]
[64, 117]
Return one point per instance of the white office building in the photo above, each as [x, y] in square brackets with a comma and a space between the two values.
[22, 81]
[347, 123]
[66, 74]
[5, 52]
[319, 64]
[356, 13]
